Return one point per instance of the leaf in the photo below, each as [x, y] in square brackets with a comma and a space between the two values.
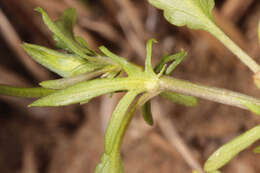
[129, 68]
[84, 44]
[110, 161]
[251, 106]
[175, 63]
[175, 59]
[115, 122]
[25, 92]
[65, 65]
[257, 150]
[147, 113]
[196, 14]
[67, 82]
[179, 98]
[63, 32]
[228, 151]
[90, 89]
[256, 78]
[148, 61]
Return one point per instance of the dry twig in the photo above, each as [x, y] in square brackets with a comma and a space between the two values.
[174, 138]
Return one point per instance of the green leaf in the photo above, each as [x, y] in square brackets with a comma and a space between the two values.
[67, 82]
[115, 122]
[257, 150]
[110, 161]
[90, 89]
[256, 79]
[179, 98]
[196, 14]
[84, 44]
[228, 151]
[148, 61]
[63, 32]
[65, 65]
[147, 113]
[179, 58]
[176, 59]
[251, 106]
[129, 68]
[25, 92]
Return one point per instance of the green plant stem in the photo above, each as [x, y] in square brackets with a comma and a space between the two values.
[244, 57]
[210, 93]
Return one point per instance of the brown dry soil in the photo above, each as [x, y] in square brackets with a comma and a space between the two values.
[70, 139]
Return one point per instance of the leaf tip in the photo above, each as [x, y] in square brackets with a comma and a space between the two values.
[256, 78]
[39, 9]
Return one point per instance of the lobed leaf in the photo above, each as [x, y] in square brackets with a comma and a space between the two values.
[195, 14]
[25, 92]
[175, 63]
[65, 65]
[63, 32]
[228, 151]
[176, 59]
[129, 68]
[90, 89]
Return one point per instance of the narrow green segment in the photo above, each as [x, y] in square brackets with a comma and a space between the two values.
[65, 65]
[228, 151]
[175, 63]
[148, 61]
[90, 89]
[179, 98]
[129, 68]
[147, 113]
[174, 59]
[251, 106]
[25, 92]
[257, 150]
[63, 32]
[67, 82]
[111, 161]
[116, 120]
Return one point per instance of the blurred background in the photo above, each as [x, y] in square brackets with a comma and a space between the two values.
[70, 139]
